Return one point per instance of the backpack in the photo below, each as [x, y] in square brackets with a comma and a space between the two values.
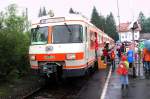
[122, 70]
[112, 55]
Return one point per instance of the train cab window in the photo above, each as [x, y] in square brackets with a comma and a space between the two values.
[67, 33]
[39, 35]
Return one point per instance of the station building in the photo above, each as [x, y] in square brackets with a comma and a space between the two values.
[126, 34]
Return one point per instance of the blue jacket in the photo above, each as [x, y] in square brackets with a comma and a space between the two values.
[130, 56]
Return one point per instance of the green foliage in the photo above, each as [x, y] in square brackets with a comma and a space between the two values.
[95, 18]
[142, 21]
[42, 12]
[14, 43]
[71, 10]
[111, 27]
[146, 25]
[102, 22]
[107, 24]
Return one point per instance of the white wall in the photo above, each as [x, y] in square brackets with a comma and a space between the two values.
[127, 36]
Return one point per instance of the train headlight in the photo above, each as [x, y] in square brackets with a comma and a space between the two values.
[32, 57]
[71, 56]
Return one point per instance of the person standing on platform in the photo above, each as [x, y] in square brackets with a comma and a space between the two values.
[130, 58]
[146, 59]
[118, 52]
[112, 56]
[122, 70]
[106, 52]
[122, 48]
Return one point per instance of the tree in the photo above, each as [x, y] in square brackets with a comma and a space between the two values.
[111, 27]
[108, 24]
[71, 10]
[14, 44]
[95, 19]
[51, 13]
[1, 19]
[142, 20]
[98, 20]
[102, 22]
[42, 12]
[146, 26]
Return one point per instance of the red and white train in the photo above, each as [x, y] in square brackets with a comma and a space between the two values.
[67, 46]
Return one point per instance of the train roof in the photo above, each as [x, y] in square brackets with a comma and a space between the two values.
[67, 17]
[62, 18]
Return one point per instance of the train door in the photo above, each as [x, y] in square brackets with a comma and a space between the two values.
[96, 44]
[96, 50]
[86, 44]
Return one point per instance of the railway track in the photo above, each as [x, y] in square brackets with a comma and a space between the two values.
[70, 88]
[67, 89]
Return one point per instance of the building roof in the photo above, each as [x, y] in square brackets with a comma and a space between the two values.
[124, 27]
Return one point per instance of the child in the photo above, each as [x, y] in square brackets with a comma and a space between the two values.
[112, 56]
[122, 70]
[130, 58]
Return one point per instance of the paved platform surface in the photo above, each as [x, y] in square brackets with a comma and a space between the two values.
[93, 88]
[139, 87]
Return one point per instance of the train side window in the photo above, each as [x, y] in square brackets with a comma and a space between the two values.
[92, 39]
[99, 37]
[86, 34]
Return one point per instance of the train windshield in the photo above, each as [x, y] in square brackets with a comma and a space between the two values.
[39, 35]
[67, 34]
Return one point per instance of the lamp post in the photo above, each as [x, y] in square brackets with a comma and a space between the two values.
[135, 26]
[118, 19]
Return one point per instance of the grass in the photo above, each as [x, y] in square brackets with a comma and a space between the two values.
[10, 88]
[5, 89]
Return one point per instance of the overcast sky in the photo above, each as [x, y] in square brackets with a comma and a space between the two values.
[128, 9]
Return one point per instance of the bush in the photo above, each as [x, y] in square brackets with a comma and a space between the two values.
[14, 43]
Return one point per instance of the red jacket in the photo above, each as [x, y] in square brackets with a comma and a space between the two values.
[105, 53]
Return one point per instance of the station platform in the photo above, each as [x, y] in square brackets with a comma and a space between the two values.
[139, 87]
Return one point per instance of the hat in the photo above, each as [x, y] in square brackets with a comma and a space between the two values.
[123, 58]
[107, 42]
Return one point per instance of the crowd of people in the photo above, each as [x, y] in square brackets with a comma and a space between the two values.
[127, 55]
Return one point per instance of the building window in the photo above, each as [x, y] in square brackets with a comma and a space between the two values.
[126, 35]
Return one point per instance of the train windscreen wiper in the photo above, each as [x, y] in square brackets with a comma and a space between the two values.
[69, 30]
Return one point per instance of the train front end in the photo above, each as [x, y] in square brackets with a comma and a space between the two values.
[57, 47]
